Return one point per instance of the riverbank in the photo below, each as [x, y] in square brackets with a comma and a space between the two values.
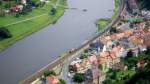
[64, 57]
[102, 23]
[30, 23]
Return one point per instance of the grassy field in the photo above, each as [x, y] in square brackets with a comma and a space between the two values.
[25, 28]
[102, 23]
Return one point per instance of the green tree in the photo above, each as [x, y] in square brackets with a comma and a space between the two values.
[100, 66]
[78, 77]
[144, 4]
[113, 30]
[17, 15]
[83, 55]
[53, 11]
[86, 51]
[49, 73]
[7, 5]
[0, 2]
[148, 50]
[129, 54]
[62, 81]
[4, 33]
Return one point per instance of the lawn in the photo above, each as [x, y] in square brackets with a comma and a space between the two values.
[25, 28]
[102, 23]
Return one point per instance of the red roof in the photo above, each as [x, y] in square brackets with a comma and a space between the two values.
[52, 80]
[77, 65]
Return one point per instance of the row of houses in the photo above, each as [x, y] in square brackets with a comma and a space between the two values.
[116, 45]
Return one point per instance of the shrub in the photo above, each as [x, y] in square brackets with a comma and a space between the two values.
[78, 77]
[49, 73]
[62, 81]
[100, 66]
[4, 33]
[53, 11]
[86, 51]
[83, 55]
[17, 15]
[7, 5]
[0, 2]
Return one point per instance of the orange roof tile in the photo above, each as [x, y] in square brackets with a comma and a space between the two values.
[136, 40]
[128, 33]
[52, 80]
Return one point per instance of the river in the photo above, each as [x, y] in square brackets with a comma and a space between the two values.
[30, 54]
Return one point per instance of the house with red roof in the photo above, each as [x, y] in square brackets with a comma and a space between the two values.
[52, 80]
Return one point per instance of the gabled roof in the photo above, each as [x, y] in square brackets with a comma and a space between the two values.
[136, 40]
[52, 80]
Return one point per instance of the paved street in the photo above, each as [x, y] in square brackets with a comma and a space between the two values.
[65, 70]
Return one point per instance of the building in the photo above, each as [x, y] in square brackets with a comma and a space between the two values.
[94, 76]
[82, 65]
[52, 80]
[92, 59]
[75, 66]
[132, 6]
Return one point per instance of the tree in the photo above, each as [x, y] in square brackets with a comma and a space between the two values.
[4, 33]
[53, 11]
[62, 81]
[83, 55]
[129, 54]
[86, 51]
[113, 30]
[144, 4]
[100, 66]
[148, 50]
[0, 2]
[26, 9]
[7, 5]
[78, 77]
[49, 73]
[17, 15]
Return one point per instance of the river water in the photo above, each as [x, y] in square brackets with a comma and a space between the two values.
[37, 50]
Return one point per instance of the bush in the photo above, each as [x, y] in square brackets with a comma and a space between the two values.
[83, 55]
[17, 15]
[26, 9]
[7, 5]
[78, 77]
[62, 81]
[49, 73]
[144, 4]
[86, 51]
[53, 11]
[0, 2]
[100, 66]
[148, 51]
[113, 30]
[4, 33]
